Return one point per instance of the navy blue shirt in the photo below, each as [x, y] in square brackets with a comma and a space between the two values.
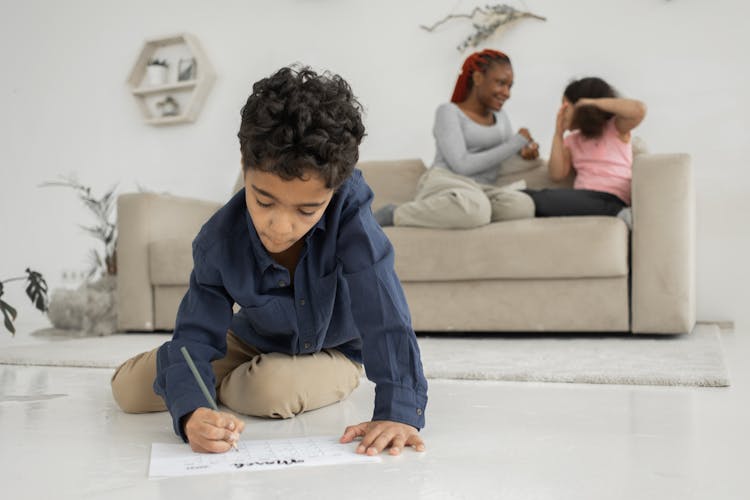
[345, 296]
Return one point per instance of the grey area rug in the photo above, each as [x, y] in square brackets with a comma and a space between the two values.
[695, 359]
[689, 360]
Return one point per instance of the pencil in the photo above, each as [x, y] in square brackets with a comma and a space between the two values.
[201, 384]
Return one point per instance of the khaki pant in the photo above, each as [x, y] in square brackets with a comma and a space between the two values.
[263, 385]
[446, 200]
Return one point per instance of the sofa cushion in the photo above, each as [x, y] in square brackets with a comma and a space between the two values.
[549, 248]
[536, 178]
[170, 261]
[546, 248]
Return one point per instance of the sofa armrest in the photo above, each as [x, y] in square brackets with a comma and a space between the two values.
[141, 219]
[392, 181]
[663, 244]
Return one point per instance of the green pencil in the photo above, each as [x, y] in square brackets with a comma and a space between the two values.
[201, 383]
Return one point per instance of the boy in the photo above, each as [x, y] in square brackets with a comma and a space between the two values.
[300, 252]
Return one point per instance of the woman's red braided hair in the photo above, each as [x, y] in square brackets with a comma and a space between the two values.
[478, 61]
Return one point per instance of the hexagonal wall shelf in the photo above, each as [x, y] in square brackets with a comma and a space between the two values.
[174, 94]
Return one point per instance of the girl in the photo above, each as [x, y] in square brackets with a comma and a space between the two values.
[598, 149]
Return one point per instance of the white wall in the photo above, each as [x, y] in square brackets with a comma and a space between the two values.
[64, 105]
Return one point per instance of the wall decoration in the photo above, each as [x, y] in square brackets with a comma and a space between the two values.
[486, 21]
[180, 97]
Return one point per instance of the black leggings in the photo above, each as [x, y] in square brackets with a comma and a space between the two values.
[561, 202]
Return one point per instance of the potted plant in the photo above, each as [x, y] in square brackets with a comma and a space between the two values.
[169, 106]
[156, 71]
[91, 308]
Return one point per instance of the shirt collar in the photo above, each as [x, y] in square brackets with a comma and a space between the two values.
[321, 224]
[264, 260]
[261, 254]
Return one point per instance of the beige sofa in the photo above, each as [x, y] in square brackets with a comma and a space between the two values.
[580, 274]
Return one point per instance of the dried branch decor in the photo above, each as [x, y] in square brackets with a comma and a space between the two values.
[491, 17]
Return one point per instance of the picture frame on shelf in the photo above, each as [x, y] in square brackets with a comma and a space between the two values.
[186, 69]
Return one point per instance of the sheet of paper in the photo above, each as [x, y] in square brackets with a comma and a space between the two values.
[169, 460]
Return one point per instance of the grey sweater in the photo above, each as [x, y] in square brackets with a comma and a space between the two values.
[468, 148]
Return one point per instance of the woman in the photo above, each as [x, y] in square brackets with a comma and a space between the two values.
[473, 138]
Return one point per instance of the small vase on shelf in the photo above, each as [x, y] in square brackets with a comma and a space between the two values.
[156, 72]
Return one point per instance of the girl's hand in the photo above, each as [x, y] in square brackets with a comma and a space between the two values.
[381, 434]
[562, 123]
[629, 113]
[210, 431]
[585, 101]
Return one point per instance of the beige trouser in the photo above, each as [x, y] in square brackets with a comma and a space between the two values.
[263, 385]
[446, 200]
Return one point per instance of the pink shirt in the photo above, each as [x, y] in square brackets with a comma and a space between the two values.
[602, 164]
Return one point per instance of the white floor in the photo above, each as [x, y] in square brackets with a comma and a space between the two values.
[61, 436]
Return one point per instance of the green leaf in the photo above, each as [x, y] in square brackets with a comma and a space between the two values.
[9, 315]
[37, 290]
[7, 307]
[97, 232]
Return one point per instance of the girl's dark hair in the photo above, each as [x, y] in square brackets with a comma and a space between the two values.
[589, 119]
[478, 61]
[296, 122]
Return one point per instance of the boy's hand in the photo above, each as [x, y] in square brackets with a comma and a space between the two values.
[381, 434]
[211, 431]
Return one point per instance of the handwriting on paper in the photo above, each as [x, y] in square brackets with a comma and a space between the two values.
[168, 460]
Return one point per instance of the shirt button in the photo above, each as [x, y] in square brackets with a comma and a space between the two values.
[308, 345]
[282, 283]
[419, 411]
[302, 302]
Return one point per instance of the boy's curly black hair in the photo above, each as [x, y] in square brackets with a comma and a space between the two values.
[589, 119]
[298, 122]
